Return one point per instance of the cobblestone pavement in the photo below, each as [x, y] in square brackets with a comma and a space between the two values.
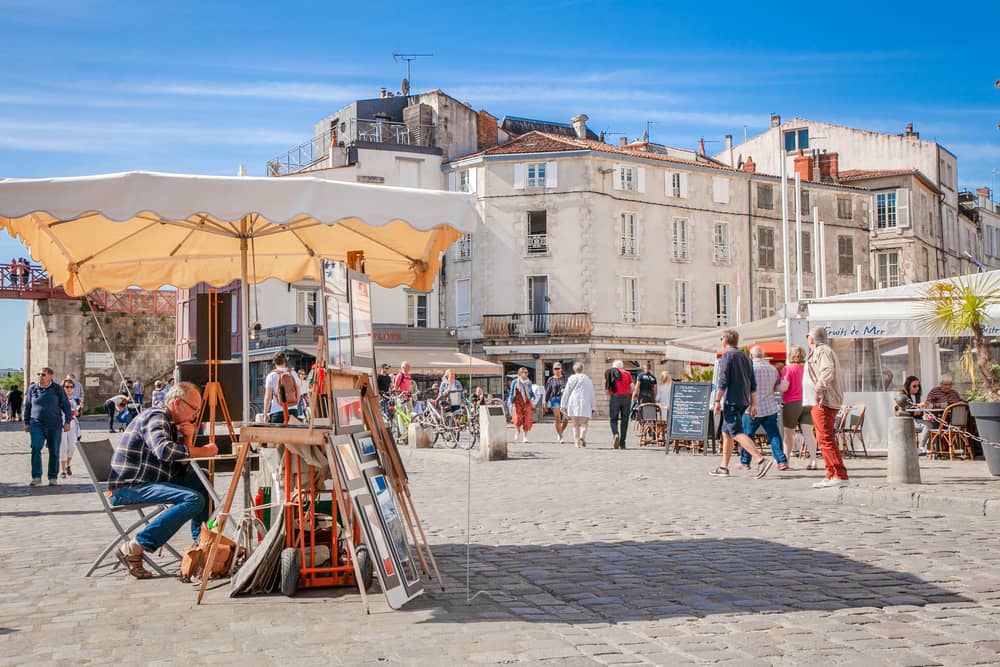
[591, 556]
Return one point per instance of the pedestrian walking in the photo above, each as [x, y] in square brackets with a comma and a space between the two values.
[644, 390]
[663, 394]
[519, 401]
[554, 388]
[159, 394]
[47, 414]
[578, 399]
[823, 370]
[138, 391]
[15, 399]
[618, 384]
[795, 411]
[767, 381]
[447, 385]
[736, 382]
[70, 437]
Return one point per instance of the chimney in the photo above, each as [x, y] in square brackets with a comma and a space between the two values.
[382, 93]
[775, 120]
[803, 166]
[817, 168]
[749, 166]
[487, 132]
[729, 142]
[701, 147]
[908, 132]
[829, 169]
[580, 125]
[623, 141]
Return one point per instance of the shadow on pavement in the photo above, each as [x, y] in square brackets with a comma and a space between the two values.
[37, 513]
[626, 581]
[22, 490]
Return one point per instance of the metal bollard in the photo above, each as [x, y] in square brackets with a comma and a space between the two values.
[903, 465]
[418, 437]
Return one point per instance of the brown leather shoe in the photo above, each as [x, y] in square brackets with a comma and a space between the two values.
[133, 563]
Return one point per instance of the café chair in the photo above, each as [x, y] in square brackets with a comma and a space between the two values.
[951, 433]
[854, 422]
[652, 428]
[97, 459]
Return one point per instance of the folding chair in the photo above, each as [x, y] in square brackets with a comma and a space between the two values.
[97, 459]
[853, 428]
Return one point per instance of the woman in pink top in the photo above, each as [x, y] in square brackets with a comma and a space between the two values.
[793, 413]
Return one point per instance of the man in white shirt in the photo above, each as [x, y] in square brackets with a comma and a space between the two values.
[275, 411]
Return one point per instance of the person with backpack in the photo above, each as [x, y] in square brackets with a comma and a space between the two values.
[618, 384]
[281, 392]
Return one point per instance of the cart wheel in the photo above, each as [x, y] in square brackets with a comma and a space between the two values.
[289, 571]
[365, 565]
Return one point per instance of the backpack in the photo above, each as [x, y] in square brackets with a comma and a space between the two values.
[612, 377]
[288, 389]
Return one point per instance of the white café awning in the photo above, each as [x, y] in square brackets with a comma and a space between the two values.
[435, 360]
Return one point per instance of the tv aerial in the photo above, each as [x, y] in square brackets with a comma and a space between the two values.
[409, 58]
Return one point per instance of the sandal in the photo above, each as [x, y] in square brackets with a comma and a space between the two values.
[133, 563]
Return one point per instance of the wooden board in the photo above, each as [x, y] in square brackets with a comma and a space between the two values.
[689, 410]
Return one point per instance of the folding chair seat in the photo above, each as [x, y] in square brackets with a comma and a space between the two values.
[97, 459]
[651, 425]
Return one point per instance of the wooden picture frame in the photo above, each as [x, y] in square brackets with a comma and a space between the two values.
[348, 411]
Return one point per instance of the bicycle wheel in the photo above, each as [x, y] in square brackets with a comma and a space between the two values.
[450, 429]
[401, 428]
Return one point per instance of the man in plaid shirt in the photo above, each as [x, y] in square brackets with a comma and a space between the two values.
[147, 467]
[766, 415]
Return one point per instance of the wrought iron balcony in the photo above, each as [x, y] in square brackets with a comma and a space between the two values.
[523, 325]
[538, 244]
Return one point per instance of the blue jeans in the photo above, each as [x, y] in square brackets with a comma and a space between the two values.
[773, 431]
[45, 437]
[186, 497]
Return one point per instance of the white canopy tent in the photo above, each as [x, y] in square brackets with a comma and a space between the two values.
[148, 230]
[701, 348]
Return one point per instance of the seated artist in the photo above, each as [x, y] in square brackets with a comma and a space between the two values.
[147, 467]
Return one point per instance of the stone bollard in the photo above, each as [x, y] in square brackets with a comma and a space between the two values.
[492, 433]
[418, 437]
[903, 465]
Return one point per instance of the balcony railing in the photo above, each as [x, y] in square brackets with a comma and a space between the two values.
[538, 244]
[520, 325]
[314, 154]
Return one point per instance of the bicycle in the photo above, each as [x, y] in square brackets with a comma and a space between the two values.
[398, 414]
[467, 419]
[439, 422]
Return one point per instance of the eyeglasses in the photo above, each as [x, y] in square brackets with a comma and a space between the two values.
[42, 374]
[196, 410]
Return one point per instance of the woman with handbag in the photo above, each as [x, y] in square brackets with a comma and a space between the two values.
[520, 403]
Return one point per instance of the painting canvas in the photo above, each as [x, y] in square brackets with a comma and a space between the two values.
[348, 412]
[338, 313]
[363, 349]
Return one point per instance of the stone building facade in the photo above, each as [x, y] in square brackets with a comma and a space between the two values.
[596, 252]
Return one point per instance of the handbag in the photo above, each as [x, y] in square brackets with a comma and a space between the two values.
[194, 561]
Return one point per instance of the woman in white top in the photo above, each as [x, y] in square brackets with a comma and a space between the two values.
[577, 402]
[448, 385]
[663, 394]
[69, 437]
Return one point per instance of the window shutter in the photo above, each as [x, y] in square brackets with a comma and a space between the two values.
[871, 213]
[684, 185]
[668, 183]
[617, 173]
[453, 181]
[720, 190]
[551, 174]
[640, 177]
[519, 176]
[472, 180]
[902, 208]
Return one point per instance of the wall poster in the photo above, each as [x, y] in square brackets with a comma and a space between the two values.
[376, 509]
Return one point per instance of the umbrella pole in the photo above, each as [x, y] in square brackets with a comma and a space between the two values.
[244, 328]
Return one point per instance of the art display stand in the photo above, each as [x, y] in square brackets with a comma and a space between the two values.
[318, 435]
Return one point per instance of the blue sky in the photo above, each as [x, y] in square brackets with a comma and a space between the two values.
[101, 86]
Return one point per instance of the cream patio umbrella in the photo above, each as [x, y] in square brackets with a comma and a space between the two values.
[149, 230]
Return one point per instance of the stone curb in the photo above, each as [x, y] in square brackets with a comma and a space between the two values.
[907, 498]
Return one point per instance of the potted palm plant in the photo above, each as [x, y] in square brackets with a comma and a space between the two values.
[960, 307]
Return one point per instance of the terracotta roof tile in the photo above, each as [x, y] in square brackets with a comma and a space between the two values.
[855, 174]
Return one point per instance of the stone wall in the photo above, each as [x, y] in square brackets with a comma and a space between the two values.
[60, 334]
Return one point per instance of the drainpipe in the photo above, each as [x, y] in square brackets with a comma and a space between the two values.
[750, 245]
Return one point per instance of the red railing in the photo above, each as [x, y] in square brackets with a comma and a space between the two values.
[19, 280]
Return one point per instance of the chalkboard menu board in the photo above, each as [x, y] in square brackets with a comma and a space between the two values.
[689, 410]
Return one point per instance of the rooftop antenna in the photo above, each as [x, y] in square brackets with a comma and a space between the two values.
[608, 133]
[409, 58]
[649, 123]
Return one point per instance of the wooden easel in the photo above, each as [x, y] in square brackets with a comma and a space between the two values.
[212, 397]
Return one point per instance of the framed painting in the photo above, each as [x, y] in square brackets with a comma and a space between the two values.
[348, 412]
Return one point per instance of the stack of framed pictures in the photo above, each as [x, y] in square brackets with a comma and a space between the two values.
[347, 300]
[376, 509]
